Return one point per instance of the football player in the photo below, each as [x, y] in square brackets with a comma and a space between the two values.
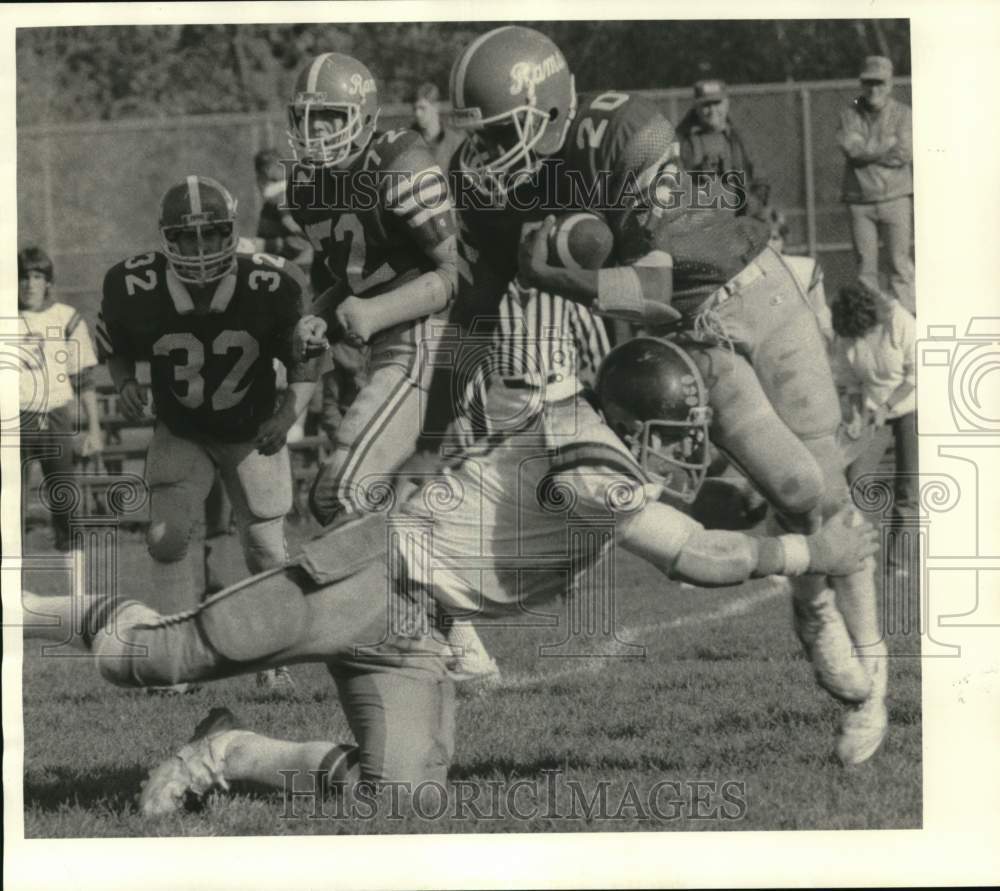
[210, 323]
[506, 507]
[710, 273]
[377, 209]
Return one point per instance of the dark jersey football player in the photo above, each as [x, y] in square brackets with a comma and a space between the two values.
[377, 210]
[742, 312]
[210, 324]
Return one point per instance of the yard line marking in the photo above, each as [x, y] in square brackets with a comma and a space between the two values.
[775, 587]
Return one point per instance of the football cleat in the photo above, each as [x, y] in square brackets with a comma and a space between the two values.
[276, 679]
[194, 770]
[865, 726]
[828, 644]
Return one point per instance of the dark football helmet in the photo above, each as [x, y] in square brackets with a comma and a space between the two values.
[191, 214]
[513, 92]
[654, 398]
[339, 85]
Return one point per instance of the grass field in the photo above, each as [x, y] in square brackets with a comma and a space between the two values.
[722, 695]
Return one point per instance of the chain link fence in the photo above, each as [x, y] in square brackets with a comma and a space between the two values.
[89, 192]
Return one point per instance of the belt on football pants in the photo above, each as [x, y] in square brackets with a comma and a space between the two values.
[555, 386]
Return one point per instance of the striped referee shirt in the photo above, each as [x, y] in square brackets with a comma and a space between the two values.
[540, 337]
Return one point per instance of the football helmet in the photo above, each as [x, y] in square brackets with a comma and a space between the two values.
[654, 398]
[513, 93]
[199, 206]
[332, 82]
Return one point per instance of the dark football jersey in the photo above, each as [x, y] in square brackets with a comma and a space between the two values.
[211, 367]
[617, 149]
[379, 219]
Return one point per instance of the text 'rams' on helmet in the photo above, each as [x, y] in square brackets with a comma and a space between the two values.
[198, 229]
[654, 398]
[340, 90]
[513, 93]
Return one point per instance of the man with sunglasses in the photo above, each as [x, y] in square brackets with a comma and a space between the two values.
[210, 323]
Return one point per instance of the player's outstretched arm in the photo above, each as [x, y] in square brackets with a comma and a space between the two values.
[684, 550]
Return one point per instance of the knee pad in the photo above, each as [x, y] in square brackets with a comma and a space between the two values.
[168, 542]
[115, 648]
[264, 544]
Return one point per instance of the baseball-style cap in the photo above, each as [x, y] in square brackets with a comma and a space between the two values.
[876, 68]
[708, 91]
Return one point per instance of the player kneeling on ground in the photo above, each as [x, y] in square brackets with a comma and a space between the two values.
[366, 597]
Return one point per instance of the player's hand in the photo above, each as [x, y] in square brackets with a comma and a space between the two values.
[533, 255]
[309, 338]
[843, 544]
[273, 433]
[355, 317]
[93, 443]
[131, 401]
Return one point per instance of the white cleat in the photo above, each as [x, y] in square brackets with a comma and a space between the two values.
[197, 768]
[865, 726]
[828, 644]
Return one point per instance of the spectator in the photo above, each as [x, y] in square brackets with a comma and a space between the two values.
[709, 142]
[876, 136]
[52, 375]
[427, 122]
[277, 232]
[873, 361]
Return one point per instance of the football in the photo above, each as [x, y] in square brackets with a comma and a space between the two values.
[580, 241]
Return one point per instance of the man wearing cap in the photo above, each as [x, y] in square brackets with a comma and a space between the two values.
[709, 142]
[876, 136]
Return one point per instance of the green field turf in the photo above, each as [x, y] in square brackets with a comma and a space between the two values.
[722, 695]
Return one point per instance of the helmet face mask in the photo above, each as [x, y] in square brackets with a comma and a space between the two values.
[198, 230]
[333, 114]
[674, 453]
[503, 150]
[652, 395]
[514, 96]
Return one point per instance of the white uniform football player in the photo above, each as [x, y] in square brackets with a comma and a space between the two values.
[366, 597]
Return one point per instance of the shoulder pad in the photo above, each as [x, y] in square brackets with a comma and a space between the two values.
[138, 265]
[292, 278]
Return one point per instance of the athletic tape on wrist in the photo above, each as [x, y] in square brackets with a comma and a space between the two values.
[619, 291]
[797, 556]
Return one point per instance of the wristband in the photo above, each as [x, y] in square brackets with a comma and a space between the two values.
[796, 549]
[619, 292]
